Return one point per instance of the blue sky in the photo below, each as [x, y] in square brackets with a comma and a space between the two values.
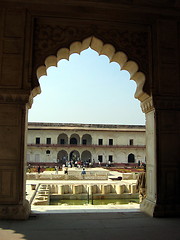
[87, 89]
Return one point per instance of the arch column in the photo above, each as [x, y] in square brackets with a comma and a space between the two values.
[13, 128]
[162, 153]
[149, 203]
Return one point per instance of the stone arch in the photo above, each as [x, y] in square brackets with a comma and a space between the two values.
[143, 96]
[80, 20]
[75, 139]
[102, 49]
[86, 139]
[62, 139]
[86, 156]
[131, 158]
[74, 155]
[62, 157]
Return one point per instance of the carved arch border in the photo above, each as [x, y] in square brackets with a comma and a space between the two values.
[146, 101]
[102, 49]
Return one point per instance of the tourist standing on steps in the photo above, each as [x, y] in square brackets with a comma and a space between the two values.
[56, 168]
[29, 168]
[83, 172]
[39, 169]
[66, 171]
[139, 163]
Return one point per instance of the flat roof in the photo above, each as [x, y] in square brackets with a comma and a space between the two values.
[86, 127]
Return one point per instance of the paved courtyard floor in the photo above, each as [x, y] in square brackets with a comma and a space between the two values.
[91, 226]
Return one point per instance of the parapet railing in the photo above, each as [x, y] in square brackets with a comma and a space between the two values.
[83, 145]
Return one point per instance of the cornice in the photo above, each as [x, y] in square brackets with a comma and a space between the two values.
[147, 105]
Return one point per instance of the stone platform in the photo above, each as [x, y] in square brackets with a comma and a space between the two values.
[73, 174]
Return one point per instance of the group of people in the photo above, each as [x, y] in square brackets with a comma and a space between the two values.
[77, 163]
[65, 169]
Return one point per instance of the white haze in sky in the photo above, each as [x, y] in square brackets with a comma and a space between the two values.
[87, 89]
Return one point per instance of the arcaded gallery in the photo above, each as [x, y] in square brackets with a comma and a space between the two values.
[55, 143]
[141, 36]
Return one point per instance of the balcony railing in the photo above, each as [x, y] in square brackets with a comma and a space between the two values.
[84, 146]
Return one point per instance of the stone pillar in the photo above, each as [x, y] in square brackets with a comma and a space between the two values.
[162, 147]
[14, 96]
[162, 158]
[149, 203]
[13, 204]
[168, 152]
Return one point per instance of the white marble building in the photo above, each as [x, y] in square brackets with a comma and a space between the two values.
[57, 142]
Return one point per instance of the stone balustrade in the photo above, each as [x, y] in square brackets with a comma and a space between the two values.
[101, 189]
[72, 175]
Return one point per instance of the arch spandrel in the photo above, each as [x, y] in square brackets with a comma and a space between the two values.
[102, 49]
[120, 42]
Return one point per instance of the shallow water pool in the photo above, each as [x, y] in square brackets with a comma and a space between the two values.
[95, 201]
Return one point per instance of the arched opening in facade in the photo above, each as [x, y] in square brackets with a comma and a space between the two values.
[86, 156]
[74, 156]
[74, 139]
[139, 77]
[62, 157]
[131, 158]
[48, 152]
[62, 139]
[86, 139]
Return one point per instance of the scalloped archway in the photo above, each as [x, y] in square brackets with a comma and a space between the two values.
[102, 49]
[146, 100]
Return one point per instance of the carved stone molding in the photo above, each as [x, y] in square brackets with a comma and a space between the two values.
[17, 212]
[14, 97]
[49, 36]
[160, 104]
[34, 92]
[147, 105]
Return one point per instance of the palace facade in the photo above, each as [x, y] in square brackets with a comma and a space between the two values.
[92, 143]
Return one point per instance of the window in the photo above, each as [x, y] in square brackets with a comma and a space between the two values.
[110, 158]
[48, 140]
[62, 141]
[48, 152]
[110, 141]
[131, 142]
[73, 141]
[100, 158]
[100, 141]
[84, 141]
[38, 140]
